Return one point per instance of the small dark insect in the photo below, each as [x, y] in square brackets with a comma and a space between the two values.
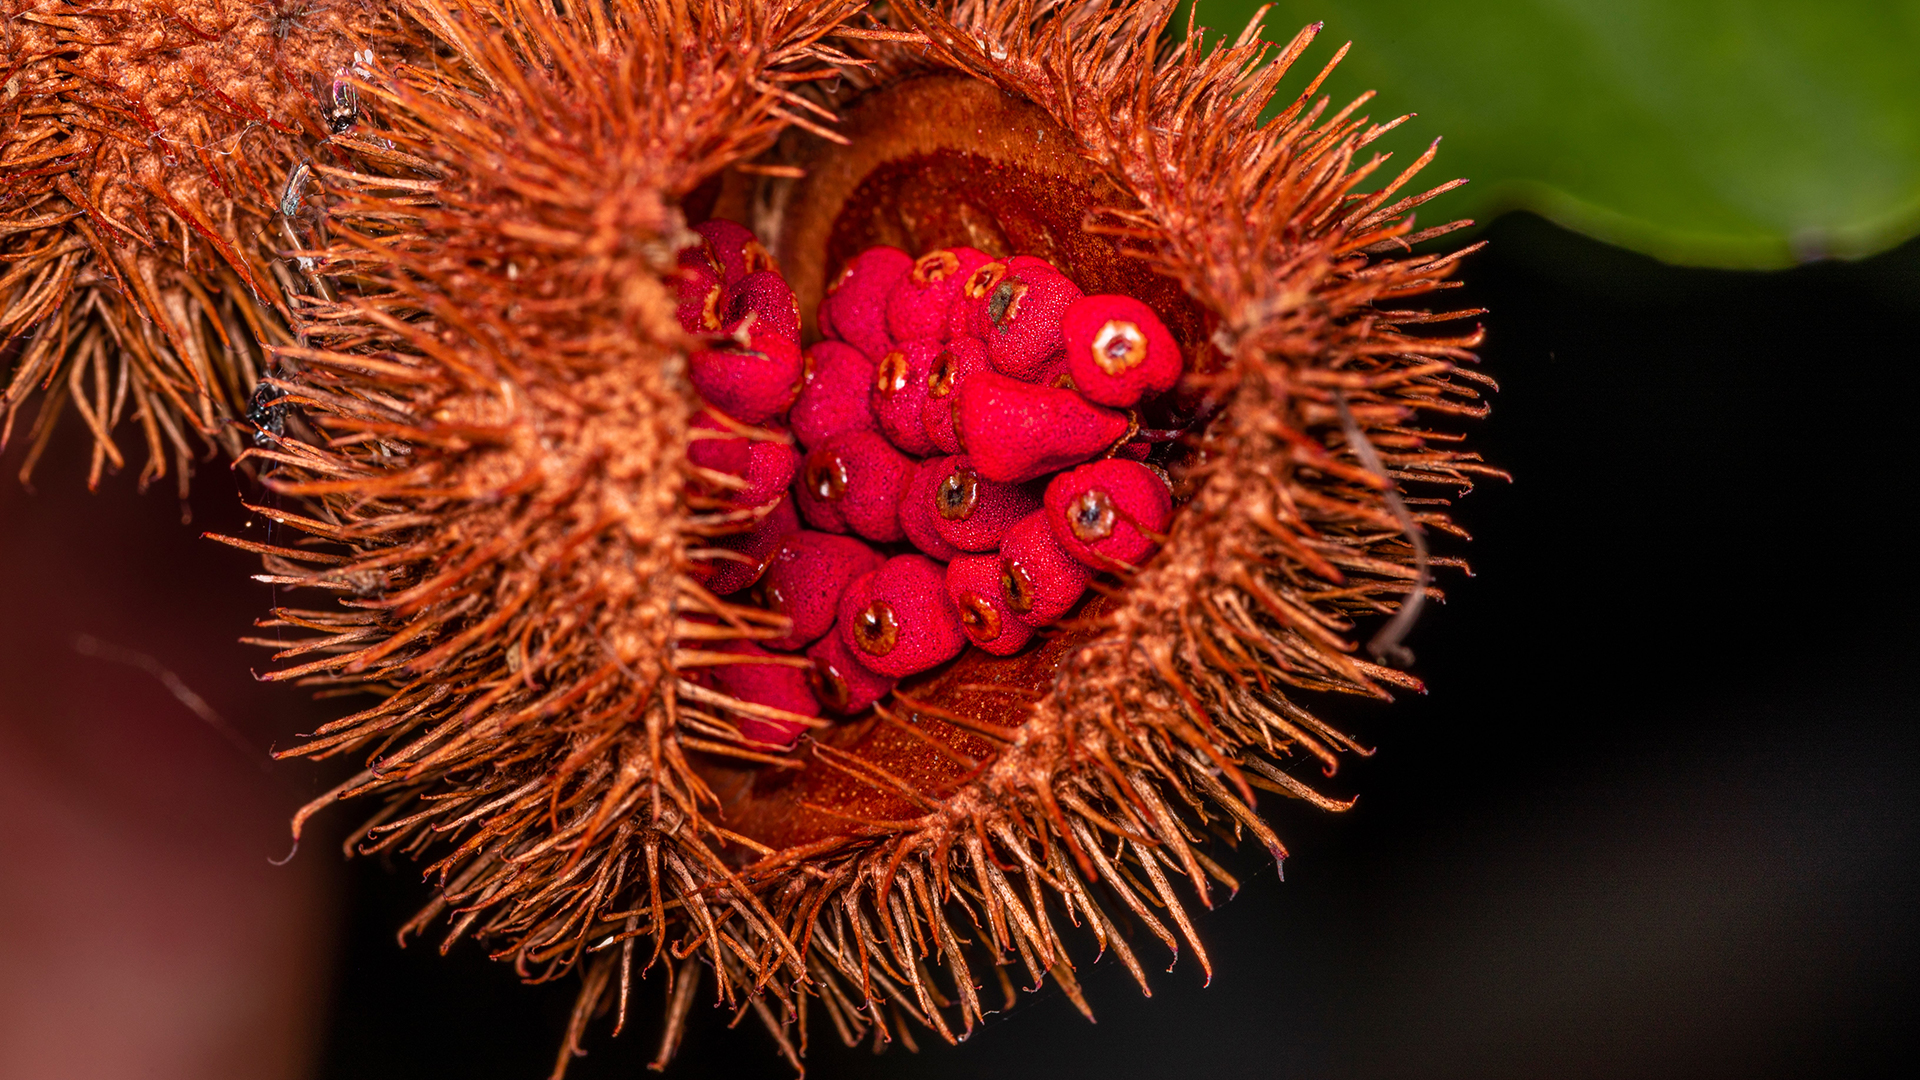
[343, 109]
[266, 413]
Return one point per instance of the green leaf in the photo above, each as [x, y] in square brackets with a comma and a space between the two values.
[1703, 132]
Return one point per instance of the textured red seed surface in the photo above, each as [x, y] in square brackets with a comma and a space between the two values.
[702, 297]
[972, 300]
[1118, 350]
[752, 383]
[957, 362]
[713, 444]
[973, 513]
[917, 513]
[779, 684]
[973, 584]
[843, 684]
[1020, 319]
[1106, 514]
[758, 544]
[834, 398]
[920, 628]
[854, 482]
[735, 251]
[1038, 579]
[856, 303]
[900, 394]
[766, 298]
[1016, 431]
[919, 305]
[805, 578]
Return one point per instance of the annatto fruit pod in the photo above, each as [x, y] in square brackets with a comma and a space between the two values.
[426, 293]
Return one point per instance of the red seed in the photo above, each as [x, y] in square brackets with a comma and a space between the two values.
[1020, 318]
[972, 301]
[767, 465]
[842, 683]
[917, 512]
[805, 578]
[834, 398]
[1016, 431]
[973, 513]
[752, 383]
[1119, 351]
[951, 369]
[854, 481]
[1109, 514]
[751, 551]
[973, 584]
[1038, 580]
[898, 620]
[919, 305]
[735, 251]
[765, 298]
[856, 303]
[900, 393]
[766, 678]
[702, 297]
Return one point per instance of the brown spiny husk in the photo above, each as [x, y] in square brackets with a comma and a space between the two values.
[484, 348]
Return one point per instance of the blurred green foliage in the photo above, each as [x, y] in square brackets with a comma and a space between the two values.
[1735, 133]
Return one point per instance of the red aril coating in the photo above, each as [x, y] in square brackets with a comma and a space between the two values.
[713, 444]
[752, 383]
[771, 467]
[1118, 350]
[972, 300]
[854, 482]
[917, 513]
[766, 298]
[805, 578]
[898, 620]
[843, 684]
[956, 363]
[1020, 318]
[702, 298]
[1038, 580]
[973, 584]
[834, 398]
[900, 394]
[919, 304]
[1109, 514]
[766, 679]
[735, 251]
[767, 465]
[973, 513]
[752, 550]
[856, 302]
[1016, 431]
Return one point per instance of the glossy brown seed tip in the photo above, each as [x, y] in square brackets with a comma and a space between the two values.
[1118, 346]
[958, 494]
[875, 630]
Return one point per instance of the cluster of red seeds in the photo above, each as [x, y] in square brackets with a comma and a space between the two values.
[971, 458]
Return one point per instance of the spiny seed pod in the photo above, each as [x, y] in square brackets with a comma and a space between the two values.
[834, 397]
[974, 586]
[467, 293]
[774, 680]
[840, 681]
[764, 298]
[1038, 579]
[900, 394]
[854, 481]
[1020, 317]
[855, 305]
[752, 383]
[962, 357]
[898, 620]
[973, 513]
[1109, 515]
[919, 519]
[919, 305]
[805, 578]
[1118, 350]
[1015, 431]
[733, 249]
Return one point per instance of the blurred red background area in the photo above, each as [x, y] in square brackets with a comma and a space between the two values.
[143, 931]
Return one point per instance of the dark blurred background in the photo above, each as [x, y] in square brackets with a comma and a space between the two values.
[1657, 817]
